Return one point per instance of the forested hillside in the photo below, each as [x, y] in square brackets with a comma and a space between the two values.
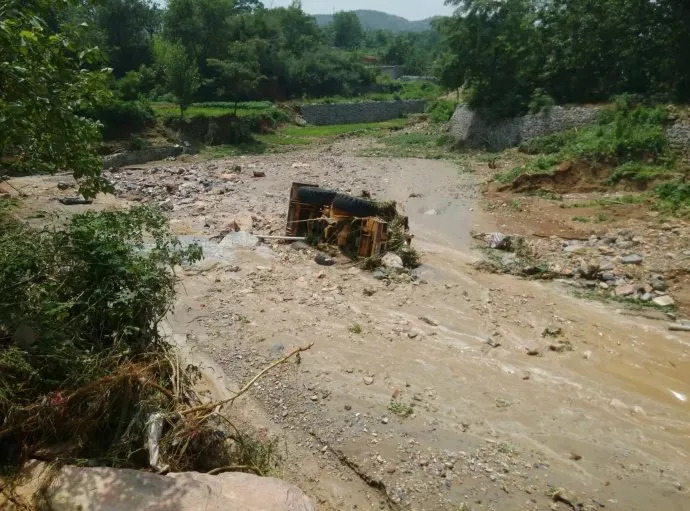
[377, 20]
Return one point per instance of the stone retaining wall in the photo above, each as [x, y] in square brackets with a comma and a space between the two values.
[474, 129]
[352, 113]
[136, 157]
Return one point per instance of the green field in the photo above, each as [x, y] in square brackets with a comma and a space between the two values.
[213, 109]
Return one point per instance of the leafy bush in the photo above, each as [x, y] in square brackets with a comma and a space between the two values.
[441, 110]
[68, 297]
[122, 118]
[674, 195]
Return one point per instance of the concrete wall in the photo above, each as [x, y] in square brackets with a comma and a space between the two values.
[473, 128]
[351, 113]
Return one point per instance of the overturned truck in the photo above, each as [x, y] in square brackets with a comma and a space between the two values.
[361, 227]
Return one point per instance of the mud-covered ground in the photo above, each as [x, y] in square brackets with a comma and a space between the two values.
[455, 389]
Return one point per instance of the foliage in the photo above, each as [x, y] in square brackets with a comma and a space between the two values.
[128, 27]
[239, 75]
[76, 302]
[441, 111]
[44, 80]
[674, 196]
[180, 71]
[120, 118]
[628, 136]
[400, 408]
[347, 30]
[515, 55]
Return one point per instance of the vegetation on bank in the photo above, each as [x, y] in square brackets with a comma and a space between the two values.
[630, 140]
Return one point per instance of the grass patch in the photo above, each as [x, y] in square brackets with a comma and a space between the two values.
[399, 408]
[431, 146]
[610, 201]
[582, 219]
[628, 137]
[211, 109]
[397, 91]
[628, 303]
[355, 329]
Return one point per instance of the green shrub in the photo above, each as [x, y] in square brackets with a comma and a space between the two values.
[674, 195]
[99, 286]
[441, 110]
[122, 118]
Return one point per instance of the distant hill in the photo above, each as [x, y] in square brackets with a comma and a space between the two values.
[376, 20]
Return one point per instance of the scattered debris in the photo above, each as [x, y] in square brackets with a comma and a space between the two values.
[74, 201]
[324, 260]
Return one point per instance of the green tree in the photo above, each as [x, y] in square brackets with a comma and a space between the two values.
[201, 26]
[128, 27]
[347, 30]
[45, 79]
[180, 71]
[239, 75]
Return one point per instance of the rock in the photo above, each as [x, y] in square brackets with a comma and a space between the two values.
[552, 331]
[74, 201]
[646, 297]
[368, 380]
[431, 212]
[63, 186]
[608, 277]
[367, 291]
[259, 173]
[415, 195]
[658, 283]
[240, 239]
[348, 407]
[392, 261]
[632, 259]
[533, 352]
[314, 397]
[606, 266]
[384, 420]
[237, 169]
[508, 259]
[324, 260]
[379, 275]
[108, 489]
[626, 290]
[230, 177]
[663, 301]
[574, 249]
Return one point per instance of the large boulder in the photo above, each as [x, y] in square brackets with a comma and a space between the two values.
[107, 489]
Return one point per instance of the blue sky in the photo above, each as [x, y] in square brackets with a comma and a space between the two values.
[411, 9]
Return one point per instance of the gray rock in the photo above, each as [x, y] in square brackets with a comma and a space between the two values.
[368, 380]
[607, 266]
[646, 297]
[508, 259]
[240, 239]
[632, 259]
[663, 301]
[658, 283]
[392, 262]
[574, 249]
[624, 244]
[608, 277]
[108, 489]
[63, 186]
[324, 260]
[379, 275]
[259, 173]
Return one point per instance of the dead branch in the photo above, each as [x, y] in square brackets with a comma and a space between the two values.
[236, 468]
[244, 389]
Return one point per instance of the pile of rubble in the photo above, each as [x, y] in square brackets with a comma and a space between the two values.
[621, 265]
